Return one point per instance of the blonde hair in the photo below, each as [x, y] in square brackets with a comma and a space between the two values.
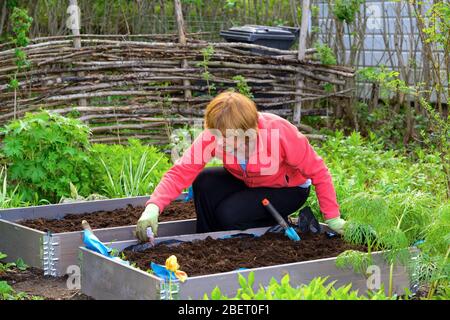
[231, 110]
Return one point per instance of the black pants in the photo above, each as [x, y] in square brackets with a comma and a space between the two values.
[223, 202]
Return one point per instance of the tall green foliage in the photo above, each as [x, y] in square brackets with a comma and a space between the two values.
[207, 53]
[46, 152]
[21, 24]
[130, 170]
[390, 206]
[345, 10]
[9, 197]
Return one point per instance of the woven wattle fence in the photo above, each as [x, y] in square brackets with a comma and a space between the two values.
[139, 89]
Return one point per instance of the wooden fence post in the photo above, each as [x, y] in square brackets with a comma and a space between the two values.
[75, 27]
[301, 56]
[182, 40]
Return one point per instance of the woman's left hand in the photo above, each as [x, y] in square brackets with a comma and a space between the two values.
[336, 224]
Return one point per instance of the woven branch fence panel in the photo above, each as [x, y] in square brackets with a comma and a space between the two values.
[137, 88]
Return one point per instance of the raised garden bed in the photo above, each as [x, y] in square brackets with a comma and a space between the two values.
[216, 262]
[54, 251]
[112, 218]
[222, 255]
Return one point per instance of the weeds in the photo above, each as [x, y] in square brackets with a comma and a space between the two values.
[8, 266]
[6, 291]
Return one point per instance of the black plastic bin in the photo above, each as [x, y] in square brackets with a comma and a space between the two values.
[274, 37]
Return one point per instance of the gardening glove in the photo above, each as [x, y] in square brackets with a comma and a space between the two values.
[336, 224]
[149, 218]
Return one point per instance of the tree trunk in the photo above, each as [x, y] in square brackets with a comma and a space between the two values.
[77, 40]
[182, 40]
[301, 56]
[3, 18]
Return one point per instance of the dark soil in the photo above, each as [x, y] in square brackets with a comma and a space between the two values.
[106, 219]
[33, 282]
[210, 256]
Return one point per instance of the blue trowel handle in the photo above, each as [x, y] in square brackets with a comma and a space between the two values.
[275, 214]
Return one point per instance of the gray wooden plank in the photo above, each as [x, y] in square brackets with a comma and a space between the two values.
[104, 279]
[21, 242]
[299, 273]
[107, 279]
[58, 211]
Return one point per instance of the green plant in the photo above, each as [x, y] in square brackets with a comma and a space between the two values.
[431, 266]
[324, 54]
[133, 181]
[19, 264]
[388, 81]
[440, 139]
[434, 31]
[8, 198]
[207, 53]
[316, 289]
[20, 25]
[345, 10]
[243, 87]
[390, 207]
[5, 289]
[46, 152]
[127, 170]
[8, 293]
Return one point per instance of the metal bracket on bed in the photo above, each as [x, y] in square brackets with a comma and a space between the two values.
[49, 255]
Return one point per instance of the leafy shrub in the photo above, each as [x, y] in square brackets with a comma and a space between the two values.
[315, 290]
[46, 152]
[345, 10]
[324, 54]
[127, 170]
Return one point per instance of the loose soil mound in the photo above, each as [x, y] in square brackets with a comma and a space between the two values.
[221, 255]
[106, 219]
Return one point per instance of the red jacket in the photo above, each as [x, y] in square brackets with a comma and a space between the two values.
[283, 158]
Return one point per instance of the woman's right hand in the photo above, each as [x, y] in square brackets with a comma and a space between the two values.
[149, 218]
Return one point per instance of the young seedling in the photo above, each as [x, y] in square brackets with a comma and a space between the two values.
[207, 53]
